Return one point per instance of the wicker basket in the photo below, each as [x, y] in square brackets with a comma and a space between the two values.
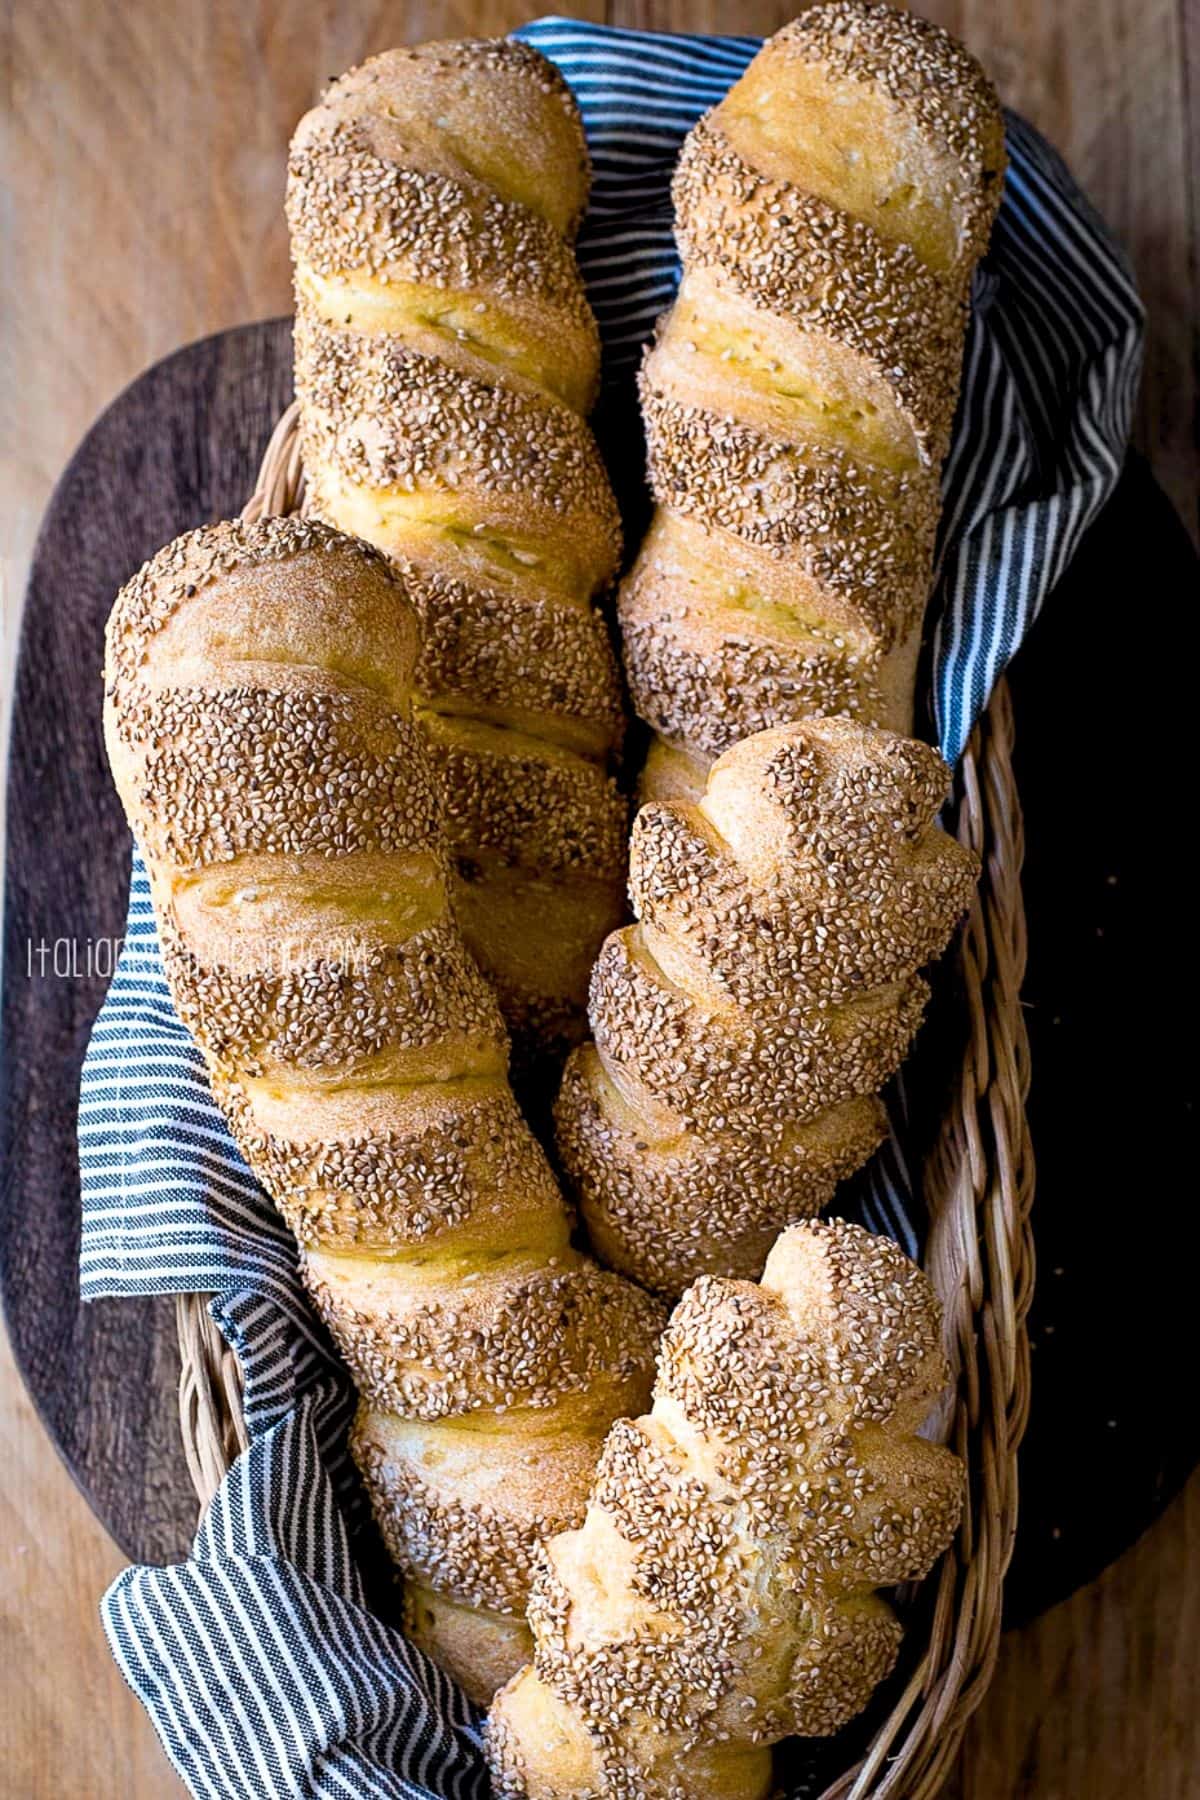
[979, 1189]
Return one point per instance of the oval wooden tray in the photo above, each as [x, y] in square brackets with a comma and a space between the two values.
[1114, 1139]
[178, 447]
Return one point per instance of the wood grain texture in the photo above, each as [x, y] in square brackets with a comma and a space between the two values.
[68, 1724]
[1097, 1699]
[179, 446]
[142, 173]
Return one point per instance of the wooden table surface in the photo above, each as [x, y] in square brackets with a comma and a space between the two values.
[144, 153]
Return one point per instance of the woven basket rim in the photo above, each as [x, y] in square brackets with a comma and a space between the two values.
[978, 1185]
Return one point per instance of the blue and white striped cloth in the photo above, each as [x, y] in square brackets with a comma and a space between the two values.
[259, 1660]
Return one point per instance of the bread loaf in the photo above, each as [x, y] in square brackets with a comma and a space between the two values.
[445, 360]
[799, 396]
[259, 725]
[744, 1025]
[721, 1593]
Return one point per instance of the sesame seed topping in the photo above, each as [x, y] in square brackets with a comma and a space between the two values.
[798, 399]
[444, 353]
[289, 809]
[772, 984]
[721, 1590]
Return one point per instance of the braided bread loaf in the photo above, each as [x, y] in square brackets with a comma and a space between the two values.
[744, 1026]
[258, 720]
[799, 396]
[445, 358]
[720, 1594]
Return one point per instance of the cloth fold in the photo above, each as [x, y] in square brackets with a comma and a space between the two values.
[258, 1659]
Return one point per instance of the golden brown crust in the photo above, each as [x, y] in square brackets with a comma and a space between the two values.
[529, 803]
[861, 536]
[665, 1204]
[467, 1523]
[771, 986]
[831, 276]
[297, 769]
[383, 416]
[427, 1167]
[934, 85]
[258, 712]
[459, 181]
[720, 1593]
[712, 1069]
[445, 358]
[477, 1647]
[173, 585]
[799, 396]
[490, 110]
[427, 1343]
[536, 660]
[711, 661]
[814, 865]
[541, 981]
[379, 1005]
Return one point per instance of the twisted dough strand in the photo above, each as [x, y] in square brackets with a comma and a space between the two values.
[721, 1592]
[445, 358]
[744, 1025]
[259, 724]
[799, 396]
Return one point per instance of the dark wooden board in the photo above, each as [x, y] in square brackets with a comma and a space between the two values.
[1115, 1138]
[1104, 698]
[178, 447]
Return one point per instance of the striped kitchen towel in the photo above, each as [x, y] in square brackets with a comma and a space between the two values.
[262, 1661]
